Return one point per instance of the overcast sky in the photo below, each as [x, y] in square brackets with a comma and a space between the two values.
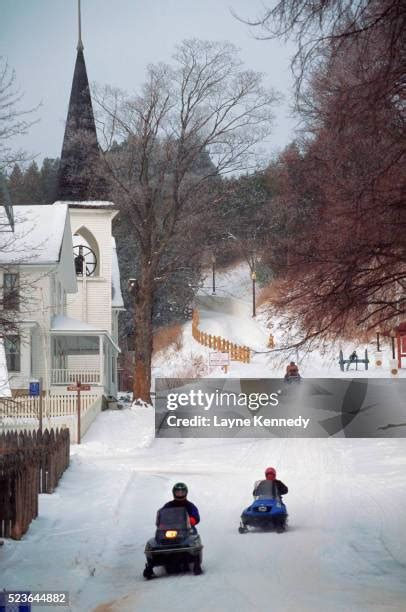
[39, 37]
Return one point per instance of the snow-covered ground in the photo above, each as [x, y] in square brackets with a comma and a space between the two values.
[345, 549]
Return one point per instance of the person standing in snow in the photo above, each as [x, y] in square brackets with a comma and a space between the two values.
[180, 500]
[352, 359]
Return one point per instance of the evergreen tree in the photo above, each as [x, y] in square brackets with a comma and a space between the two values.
[49, 180]
[16, 185]
[32, 185]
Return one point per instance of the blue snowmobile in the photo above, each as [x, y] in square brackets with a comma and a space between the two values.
[267, 511]
[176, 544]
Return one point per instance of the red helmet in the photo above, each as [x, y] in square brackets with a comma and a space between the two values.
[270, 473]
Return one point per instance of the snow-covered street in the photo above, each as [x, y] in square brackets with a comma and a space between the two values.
[344, 550]
[202, 306]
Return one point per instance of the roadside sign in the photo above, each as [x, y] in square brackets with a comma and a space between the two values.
[219, 359]
[34, 388]
[78, 388]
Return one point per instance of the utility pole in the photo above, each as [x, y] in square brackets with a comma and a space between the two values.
[392, 337]
[254, 278]
[378, 347]
[213, 263]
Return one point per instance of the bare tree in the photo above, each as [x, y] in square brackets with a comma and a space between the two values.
[341, 253]
[13, 120]
[203, 107]
[317, 27]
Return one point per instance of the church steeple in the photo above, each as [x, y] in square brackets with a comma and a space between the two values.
[80, 149]
[80, 44]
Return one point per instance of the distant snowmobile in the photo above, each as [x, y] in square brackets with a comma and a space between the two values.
[267, 510]
[292, 374]
[175, 546]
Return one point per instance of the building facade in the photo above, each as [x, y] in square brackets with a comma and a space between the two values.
[59, 271]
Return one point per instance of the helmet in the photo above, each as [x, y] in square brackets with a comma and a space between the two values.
[179, 490]
[270, 473]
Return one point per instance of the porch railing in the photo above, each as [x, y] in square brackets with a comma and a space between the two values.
[67, 377]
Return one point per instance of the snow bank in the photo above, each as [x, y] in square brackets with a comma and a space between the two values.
[119, 432]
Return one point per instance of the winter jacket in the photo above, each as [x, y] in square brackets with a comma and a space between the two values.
[191, 509]
[281, 489]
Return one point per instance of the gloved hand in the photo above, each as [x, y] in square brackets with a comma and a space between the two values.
[192, 521]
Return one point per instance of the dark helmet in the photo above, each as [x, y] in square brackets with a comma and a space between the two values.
[179, 490]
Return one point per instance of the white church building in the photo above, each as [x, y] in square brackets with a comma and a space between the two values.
[59, 271]
[63, 261]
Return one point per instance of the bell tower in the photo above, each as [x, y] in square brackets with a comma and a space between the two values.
[80, 154]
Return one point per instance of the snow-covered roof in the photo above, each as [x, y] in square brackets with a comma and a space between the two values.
[88, 204]
[4, 380]
[63, 323]
[67, 325]
[116, 295]
[38, 235]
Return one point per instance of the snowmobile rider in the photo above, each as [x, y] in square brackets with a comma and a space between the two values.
[292, 371]
[180, 492]
[270, 474]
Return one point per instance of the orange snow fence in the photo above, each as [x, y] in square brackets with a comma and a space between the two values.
[237, 353]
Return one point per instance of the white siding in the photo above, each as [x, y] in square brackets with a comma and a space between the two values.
[85, 362]
[92, 303]
[66, 267]
[42, 290]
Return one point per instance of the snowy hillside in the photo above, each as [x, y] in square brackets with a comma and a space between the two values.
[229, 314]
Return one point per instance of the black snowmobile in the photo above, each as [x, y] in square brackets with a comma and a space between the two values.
[175, 546]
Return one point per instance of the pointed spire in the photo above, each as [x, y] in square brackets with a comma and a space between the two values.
[80, 46]
[80, 149]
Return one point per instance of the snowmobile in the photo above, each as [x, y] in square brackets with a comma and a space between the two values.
[267, 510]
[293, 379]
[175, 546]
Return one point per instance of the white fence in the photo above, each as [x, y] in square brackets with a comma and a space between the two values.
[22, 413]
[67, 377]
[52, 406]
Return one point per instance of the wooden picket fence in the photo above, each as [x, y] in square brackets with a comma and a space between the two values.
[30, 464]
[237, 353]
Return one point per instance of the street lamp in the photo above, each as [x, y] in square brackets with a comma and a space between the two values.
[254, 278]
[378, 347]
[132, 285]
[392, 337]
[213, 263]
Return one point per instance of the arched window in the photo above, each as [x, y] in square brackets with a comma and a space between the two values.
[86, 253]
